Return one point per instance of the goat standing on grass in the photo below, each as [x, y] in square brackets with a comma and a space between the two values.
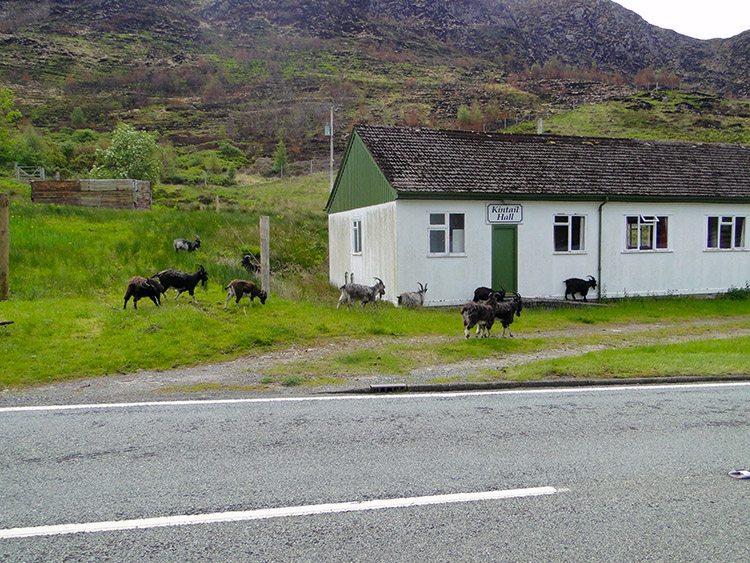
[243, 288]
[189, 245]
[480, 314]
[577, 285]
[351, 292]
[507, 310]
[139, 287]
[413, 298]
[182, 281]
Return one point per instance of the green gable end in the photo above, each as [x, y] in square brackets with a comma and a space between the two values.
[359, 183]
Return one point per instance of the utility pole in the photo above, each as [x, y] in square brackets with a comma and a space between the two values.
[329, 133]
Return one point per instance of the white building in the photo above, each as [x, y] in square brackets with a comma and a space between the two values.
[458, 210]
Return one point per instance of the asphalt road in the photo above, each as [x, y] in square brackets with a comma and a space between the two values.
[595, 474]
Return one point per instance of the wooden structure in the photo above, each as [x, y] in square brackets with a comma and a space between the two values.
[111, 194]
[26, 174]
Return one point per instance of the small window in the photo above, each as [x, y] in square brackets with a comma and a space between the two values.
[726, 233]
[568, 233]
[357, 236]
[447, 233]
[647, 232]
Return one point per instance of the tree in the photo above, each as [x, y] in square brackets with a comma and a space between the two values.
[8, 118]
[280, 158]
[76, 118]
[131, 154]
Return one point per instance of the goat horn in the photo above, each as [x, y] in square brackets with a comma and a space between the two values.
[381, 281]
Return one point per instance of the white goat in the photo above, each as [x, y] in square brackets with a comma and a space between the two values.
[413, 298]
[189, 245]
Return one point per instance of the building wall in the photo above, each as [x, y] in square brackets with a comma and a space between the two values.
[395, 248]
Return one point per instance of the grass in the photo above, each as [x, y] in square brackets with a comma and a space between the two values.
[69, 267]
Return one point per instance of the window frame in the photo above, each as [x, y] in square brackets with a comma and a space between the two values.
[450, 233]
[721, 223]
[570, 229]
[650, 226]
[356, 236]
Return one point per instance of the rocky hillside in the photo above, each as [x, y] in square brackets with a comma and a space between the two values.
[261, 70]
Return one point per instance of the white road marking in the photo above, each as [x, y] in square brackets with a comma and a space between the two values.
[267, 513]
[363, 397]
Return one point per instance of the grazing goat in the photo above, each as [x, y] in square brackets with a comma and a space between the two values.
[577, 285]
[413, 298]
[243, 288]
[351, 292]
[189, 245]
[182, 281]
[483, 294]
[481, 314]
[250, 263]
[139, 287]
[507, 310]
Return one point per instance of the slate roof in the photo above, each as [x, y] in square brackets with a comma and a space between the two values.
[425, 162]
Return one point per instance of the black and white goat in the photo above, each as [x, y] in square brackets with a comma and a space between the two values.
[182, 281]
[483, 293]
[251, 264]
[480, 314]
[577, 285]
[189, 245]
[413, 298]
[243, 288]
[139, 287]
[506, 310]
[352, 292]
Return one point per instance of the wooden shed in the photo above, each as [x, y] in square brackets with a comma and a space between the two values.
[111, 194]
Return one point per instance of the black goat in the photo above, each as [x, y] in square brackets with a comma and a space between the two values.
[189, 245]
[577, 285]
[507, 310]
[243, 288]
[481, 314]
[483, 293]
[182, 281]
[250, 263]
[139, 287]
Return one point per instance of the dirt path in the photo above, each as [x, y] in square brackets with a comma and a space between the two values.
[244, 377]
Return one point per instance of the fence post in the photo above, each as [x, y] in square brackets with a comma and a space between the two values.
[265, 273]
[4, 246]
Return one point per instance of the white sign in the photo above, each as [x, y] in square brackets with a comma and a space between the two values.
[504, 213]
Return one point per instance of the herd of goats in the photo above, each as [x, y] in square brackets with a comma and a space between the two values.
[487, 306]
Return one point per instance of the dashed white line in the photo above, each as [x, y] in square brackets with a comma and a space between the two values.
[263, 514]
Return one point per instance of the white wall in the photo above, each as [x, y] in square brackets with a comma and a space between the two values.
[395, 248]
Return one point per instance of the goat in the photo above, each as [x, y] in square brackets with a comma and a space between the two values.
[139, 287]
[507, 310]
[250, 263]
[189, 245]
[182, 281]
[243, 288]
[351, 292]
[577, 285]
[481, 314]
[483, 293]
[413, 298]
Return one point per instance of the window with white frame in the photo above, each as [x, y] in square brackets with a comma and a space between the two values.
[446, 233]
[726, 233]
[357, 236]
[569, 233]
[647, 232]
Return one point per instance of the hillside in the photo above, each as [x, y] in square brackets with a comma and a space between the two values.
[253, 72]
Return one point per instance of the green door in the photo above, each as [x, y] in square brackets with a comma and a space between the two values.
[505, 257]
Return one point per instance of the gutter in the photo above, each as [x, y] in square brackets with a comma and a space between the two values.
[599, 253]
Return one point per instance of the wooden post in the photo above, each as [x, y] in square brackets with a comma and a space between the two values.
[265, 272]
[4, 246]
